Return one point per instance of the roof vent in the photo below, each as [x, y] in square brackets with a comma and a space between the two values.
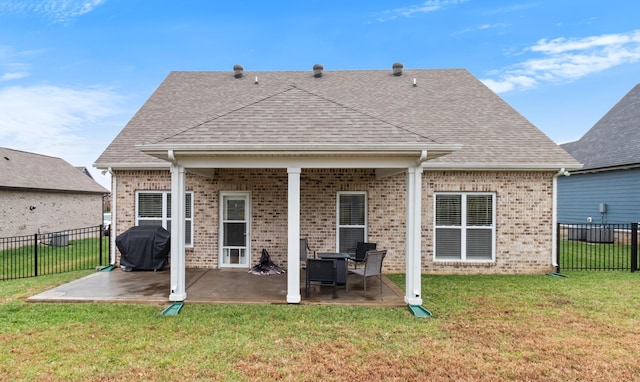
[397, 68]
[317, 70]
[237, 71]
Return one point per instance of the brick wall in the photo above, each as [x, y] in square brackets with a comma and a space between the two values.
[30, 212]
[523, 219]
[523, 213]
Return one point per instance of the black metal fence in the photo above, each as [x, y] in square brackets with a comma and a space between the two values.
[53, 252]
[597, 247]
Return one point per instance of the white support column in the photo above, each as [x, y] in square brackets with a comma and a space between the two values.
[413, 294]
[293, 235]
[409, 234]
[178, 292]
[113, 228]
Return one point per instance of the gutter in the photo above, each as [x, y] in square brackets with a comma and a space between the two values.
[480, 166]
[163, 151]
[295, 147]
[131, 166]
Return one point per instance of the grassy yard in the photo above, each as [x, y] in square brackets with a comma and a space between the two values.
[485, 328]
[580, 255]
[81, 254]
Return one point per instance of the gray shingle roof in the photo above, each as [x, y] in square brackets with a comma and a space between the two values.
[615, 139]
[23, 170]
[448, 106]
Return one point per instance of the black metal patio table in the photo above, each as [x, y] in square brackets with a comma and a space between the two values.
[342, 270]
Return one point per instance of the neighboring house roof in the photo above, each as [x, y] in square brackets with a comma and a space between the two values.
[23, 170]
[614, 140]
[295, 110]
[85, 171]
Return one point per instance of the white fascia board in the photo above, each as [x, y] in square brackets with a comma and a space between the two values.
[307, 156]
[605, 169]
[132, 166]
[499, 166]
[297, 161]
[292, 148]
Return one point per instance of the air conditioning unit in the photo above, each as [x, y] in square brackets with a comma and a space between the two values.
[601, 234]
[59, 239]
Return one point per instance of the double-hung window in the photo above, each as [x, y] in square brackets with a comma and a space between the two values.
[465, 226]
[352, 220]
[154, 208]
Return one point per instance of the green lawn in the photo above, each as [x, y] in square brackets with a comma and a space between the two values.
[485, 328]
[82, 254]
[580, 255]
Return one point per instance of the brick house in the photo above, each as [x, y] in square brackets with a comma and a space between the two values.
[429, 164]
[39, 193]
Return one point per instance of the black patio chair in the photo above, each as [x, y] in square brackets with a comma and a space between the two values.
[361, 252]
[372, 267]
[321, 272]
[304, 251]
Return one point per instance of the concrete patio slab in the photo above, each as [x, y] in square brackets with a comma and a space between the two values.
[205, 286]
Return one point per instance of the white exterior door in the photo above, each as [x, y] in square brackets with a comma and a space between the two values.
[235, 229]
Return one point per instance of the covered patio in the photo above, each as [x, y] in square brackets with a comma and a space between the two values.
[211, 286]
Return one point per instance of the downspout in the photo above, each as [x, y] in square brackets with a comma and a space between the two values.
[413, 296]
[177, 284]
[417, 247]
[423, 158]
[173, 277]
[554, 217]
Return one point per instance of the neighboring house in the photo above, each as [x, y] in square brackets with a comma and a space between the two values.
[429, 164]
[40, 194]
[606, 188]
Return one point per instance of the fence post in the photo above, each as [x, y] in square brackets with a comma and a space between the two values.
[35, 254]
[634, 247]
[100, 235]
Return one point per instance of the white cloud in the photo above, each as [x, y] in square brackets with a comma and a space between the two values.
[58, 121]
[566, 59]
[483, 27]
[426, 7]
[58, 11]
[13, 76]
[12, 65]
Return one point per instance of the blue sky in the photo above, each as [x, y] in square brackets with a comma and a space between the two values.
[73, 72]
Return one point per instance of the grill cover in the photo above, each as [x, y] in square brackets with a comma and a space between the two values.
[144, 248]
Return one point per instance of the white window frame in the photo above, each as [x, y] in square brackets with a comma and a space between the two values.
[366, 216]
[464, 227]
[166, 212]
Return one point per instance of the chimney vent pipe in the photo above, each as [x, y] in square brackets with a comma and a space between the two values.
[237, 71]
[397, 68]
[317, 70]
